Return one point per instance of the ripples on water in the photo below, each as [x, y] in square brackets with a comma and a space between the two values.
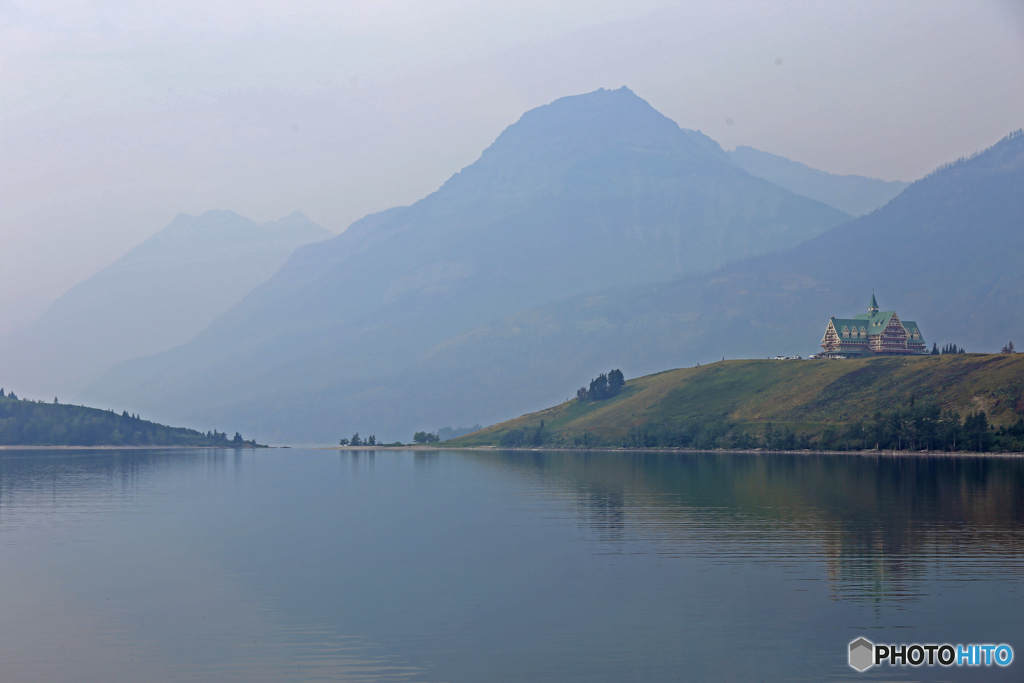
[467, 566]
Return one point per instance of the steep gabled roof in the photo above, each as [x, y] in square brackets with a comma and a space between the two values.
[910, 326]
[852, 323]
[875, 323]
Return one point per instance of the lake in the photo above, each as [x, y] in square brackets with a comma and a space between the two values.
[310, 565]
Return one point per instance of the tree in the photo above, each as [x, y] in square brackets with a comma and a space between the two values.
[950, 429]
[598, 387]
[581, 394]
[855, 436]
[356, 441]
[1008, 348]
[976, 431]
[425, 437]
[935, 349]
[342, 442]
[877, 433]
[237, 439]
[511, 438]
[537, 438]
[616, 380]
[372, 441]
[896, 428]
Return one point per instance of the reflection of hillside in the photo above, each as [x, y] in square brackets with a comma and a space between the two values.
[80, 476]
[879, 524]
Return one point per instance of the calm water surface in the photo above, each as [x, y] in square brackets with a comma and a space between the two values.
[309, 565]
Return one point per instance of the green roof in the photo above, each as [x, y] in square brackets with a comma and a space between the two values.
[874, 324]
[910, 325]
[873, 306]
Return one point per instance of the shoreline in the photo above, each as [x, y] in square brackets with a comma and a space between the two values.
[607, 449]
[129, 448]
[748, 451]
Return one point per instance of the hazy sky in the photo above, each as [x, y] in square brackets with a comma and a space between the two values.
[118, 115]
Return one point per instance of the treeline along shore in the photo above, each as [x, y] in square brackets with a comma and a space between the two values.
[947, 403]
[25, 422]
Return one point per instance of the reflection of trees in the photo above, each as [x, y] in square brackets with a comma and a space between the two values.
[67, 479]
[603, 510]
[881, 525]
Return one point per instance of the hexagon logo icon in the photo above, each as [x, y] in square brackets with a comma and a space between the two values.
[862, 654]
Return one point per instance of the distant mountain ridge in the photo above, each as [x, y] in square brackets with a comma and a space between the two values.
[157, 296]
[589, 192]
[944, 253]
[856, 195]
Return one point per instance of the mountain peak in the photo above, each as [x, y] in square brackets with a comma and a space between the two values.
[556, 141]
[606, 113]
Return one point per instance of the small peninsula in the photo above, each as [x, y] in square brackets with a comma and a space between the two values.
[25, 422]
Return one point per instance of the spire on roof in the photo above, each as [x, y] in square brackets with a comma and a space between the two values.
[873, 307]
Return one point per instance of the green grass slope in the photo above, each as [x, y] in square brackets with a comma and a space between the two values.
[34, 423]
[911, 402]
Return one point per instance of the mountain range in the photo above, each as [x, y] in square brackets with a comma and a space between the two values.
[856, 195]
[155, 297]
[593, 233]
[590, 192]
[944, 253]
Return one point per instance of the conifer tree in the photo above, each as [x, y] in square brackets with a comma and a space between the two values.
[616, 380]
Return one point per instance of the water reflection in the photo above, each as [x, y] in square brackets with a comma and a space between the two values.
[469, 565]
[880, 524]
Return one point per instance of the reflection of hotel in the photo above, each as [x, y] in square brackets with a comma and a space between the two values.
[872, 334]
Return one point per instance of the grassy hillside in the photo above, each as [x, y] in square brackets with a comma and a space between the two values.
[34, 423]
[925, 402]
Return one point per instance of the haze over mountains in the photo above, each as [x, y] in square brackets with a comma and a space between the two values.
[590, 192]
[157, 296]
[856, 195]
[593, 233]
[945, 253]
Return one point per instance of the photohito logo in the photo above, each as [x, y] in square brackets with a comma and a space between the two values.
[864, 654]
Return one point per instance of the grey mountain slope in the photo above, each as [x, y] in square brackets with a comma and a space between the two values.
[960, 285]
[856, 195]
[945, 254]
[714, 148]
[157, 296]
[588, 192]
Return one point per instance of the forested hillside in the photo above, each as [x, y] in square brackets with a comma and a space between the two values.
[35, 423]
